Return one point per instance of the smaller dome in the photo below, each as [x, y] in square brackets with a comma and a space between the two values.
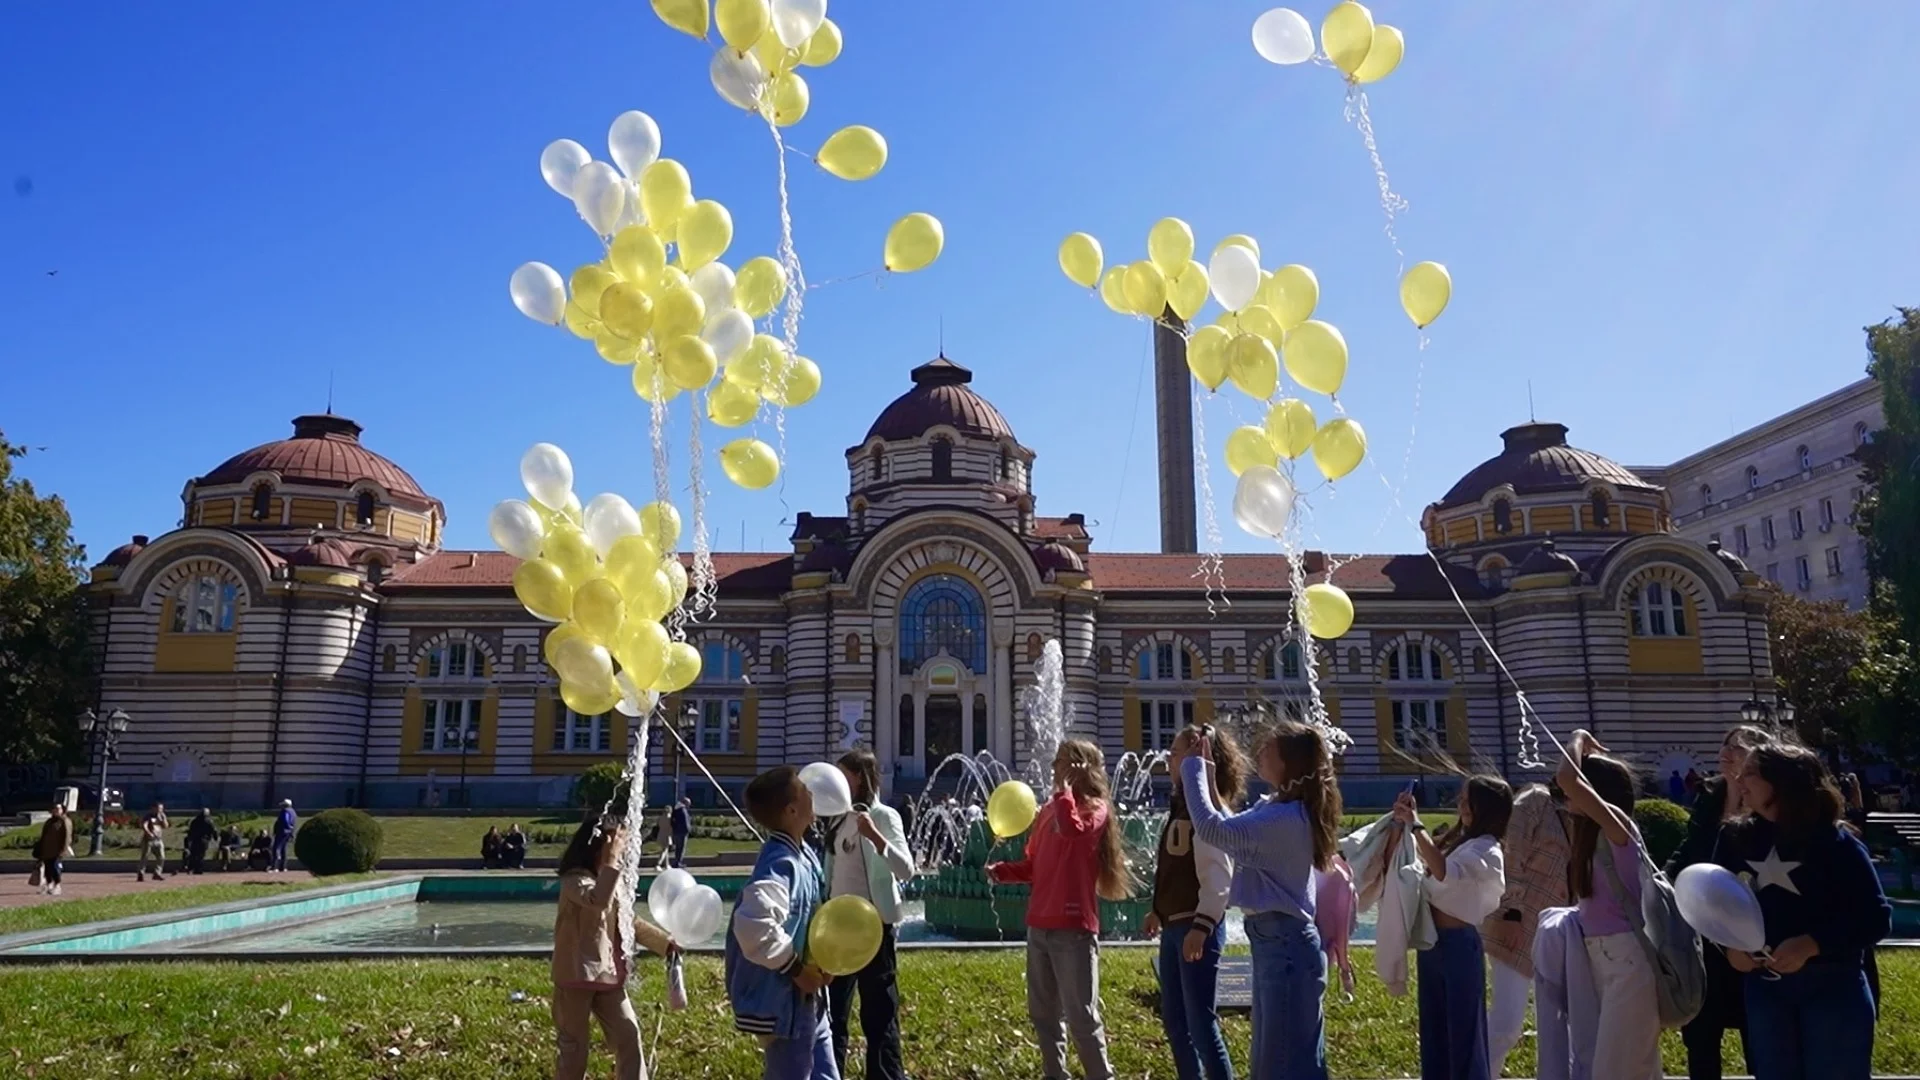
[1544, 559]
[332, 554]
[1054, 555]
[825, 558]
[940, 397]
[124, 554]
[1537, 459]
[1728, 559]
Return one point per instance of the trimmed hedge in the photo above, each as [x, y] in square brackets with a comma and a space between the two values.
[341, 841]
[597, 786]
[1663, 825]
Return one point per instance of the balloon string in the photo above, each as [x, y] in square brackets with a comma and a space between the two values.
[717, 786]
[792, 304]
[633, 775]
[1391, 204]
[702, 603]
[1212, 569]
[878, 274]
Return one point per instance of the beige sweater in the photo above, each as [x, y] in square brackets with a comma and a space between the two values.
[1537, 851]
[586, 930]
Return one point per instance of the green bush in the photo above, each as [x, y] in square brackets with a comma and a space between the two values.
[597, 786]
[1663, 825]
[341, 841]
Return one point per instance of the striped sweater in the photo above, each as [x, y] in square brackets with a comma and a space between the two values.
[1537, 851]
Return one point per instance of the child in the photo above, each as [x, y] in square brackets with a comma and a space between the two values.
[1276, 845]
[776, 995]
[1535, 850]
[1600, 793]
[867, 856]
[589, 967]
[1809, 1011]
[1466, 876]
[1190, 884]
[1073, 860]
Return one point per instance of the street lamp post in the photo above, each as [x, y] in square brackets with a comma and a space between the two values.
[103, 737]
[689, 727]
[469, 741]
[1755, 711]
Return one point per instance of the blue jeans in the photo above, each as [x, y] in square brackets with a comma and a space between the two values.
[804, 1057]
[1289, 994]
[1186, 1005]
[1816, 1024]
[1453, 1006]
[278, 861]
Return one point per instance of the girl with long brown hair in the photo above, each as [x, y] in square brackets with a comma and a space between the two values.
[1073, 861]
[1276, 845]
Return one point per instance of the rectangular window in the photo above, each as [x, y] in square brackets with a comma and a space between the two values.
[1766, 531]
[573, 733]
[1773, 572]
[1163, 661]
[719, 726]
[447, 724]
[1289, 663]
[1826, 513]
[1160, 721]
[1797, 522]
[1740, 540]
[1833, 562]
[1801, 572]
[1419, 725]
[1186, 666]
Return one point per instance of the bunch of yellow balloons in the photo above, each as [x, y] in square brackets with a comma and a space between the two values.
[608, 575]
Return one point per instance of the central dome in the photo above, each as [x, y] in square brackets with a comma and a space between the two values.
[1537, 459]
[325, 450]
[939, 398]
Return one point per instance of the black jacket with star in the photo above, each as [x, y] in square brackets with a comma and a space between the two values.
[1822, 884]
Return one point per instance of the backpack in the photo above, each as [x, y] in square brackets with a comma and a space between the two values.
[1671, 944]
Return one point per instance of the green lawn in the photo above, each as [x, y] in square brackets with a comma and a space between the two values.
[964, 1019]
[71, 912]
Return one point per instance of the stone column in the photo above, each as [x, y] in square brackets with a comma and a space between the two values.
[886, 725]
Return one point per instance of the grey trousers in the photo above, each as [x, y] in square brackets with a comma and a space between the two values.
[1063, 995]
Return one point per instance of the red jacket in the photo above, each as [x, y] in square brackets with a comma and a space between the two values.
[1062, 864]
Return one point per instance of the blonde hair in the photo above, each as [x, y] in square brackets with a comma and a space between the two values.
[1089, 784]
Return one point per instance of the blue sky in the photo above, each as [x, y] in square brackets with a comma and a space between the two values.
[1672, 223]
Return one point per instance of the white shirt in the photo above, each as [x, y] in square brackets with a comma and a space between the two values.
[1476, 879]
[849, 861]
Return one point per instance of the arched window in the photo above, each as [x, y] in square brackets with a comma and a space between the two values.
[1106, 660]
[1281, 664]
[942, 460]
[779, 660]
[1659, 610]
[853, 648]
[1706, 496]
[859, 517]
[262, 501]
[363, 509]
[716, 703]
[387, 658]
[722, 663]
[979, 722]
[1502, 516]
[1228, 663]
[456, 659]
[1165, 662]
[1862, 435]
[1753, 478]
[1805, 457]
[1005, 468]
[877, 465]
[376, 571]
[1034, 648]
[1416, 677]
[204, 605]
[1602, 515]
[1493, 572]
[942, 612]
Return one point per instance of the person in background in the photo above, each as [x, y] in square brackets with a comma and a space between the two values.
[1856, 808]
[1694, 780]
[1676, 787]
[260, 854]
[1073, 860]
[868, 857]
[1810, 1013]
[1191, 880]
[283, 829]
[513, 848]
[53, 848]
[680, 826]
[153, 844]
[1718, 805]
[589, 964]
[1536, 852]
[200, 835]
[490, 849]
[1604, 877]
[1466, 877]
[230, 844]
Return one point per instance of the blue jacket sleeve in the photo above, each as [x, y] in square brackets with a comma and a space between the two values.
[1236, 834]
[1859, 916]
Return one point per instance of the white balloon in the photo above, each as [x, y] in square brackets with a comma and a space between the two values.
[560, 162]
[831, 795]
[668, 885]
[608, 518]
[601, 196]
[739, 77]
[714, 283]
[794, 21]
[1721, 907]
[1263, 502]
[634, 701]
[538, 292]
[1282, 36]
[1234, 276]
[517, 528]
[728, 332]
[631, 214]
[695, 916]
[547, 473]
[633, 142]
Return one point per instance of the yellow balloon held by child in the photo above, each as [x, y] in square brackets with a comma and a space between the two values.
[750, 463]
[854, 153]
[1339, 447]
[1011, 809]
[913, 243]
[844, 936]
[1327, 610]
[1425, 291]
[1081, 259]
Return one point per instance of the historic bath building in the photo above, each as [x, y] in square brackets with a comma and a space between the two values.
[305, 634]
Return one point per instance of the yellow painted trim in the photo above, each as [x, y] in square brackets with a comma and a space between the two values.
[411, 713]
[750, 725]
[1203, 707]
[1459, 733]
[198, 653]
[1665, 656]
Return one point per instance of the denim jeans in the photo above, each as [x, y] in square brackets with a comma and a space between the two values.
[1816, 1024]
[879, 989]
[278, 860]
[1186, 1004]
[1289, 992]
[1453, 1006]
[804, 1057]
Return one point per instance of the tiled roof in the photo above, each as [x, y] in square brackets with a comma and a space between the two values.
[325, 449]
[746, 573]
[1071, 527]
[939, 397]
[1410, 577]
[1538, 459]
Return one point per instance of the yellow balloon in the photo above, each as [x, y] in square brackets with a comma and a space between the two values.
[1328, 610]
[853, 153]
[1113, 289]
[1339, 447]
[686, 16]
[731, 405]
[823, 47]
[615, 349]
[1424, 292]
[628, 559]
[1388, 47]
[660, 523]
[759, 286]
[1252, 365]
[742, 22]
[750, 463]
[1170, 246]
[1146, 289]
[1291, 295]
[589, 282]
[649, 596]
[637, 254]
[774, 56]
[581, 324]
[542, 587]
[688, 362]
[557, 637]
[627, 311]
[789, 98]
[590, 699]
[1346, 36]
[913, 243]
[670, 277]
[676, 576]
[677, 310]
[598, 609]
[844, 936]
[566, 547]
[1290, 427]
[799, 387]
[1081, 259]
[1259, 319]
[681, 669]
[649, 382]
[1187, 293]
[1011, 809]
[666, 191]
[761, 362]
[706, 230]
[1317, 356]
[1243, 240]
[1207, 355]
[1247, 447]
[642, 650]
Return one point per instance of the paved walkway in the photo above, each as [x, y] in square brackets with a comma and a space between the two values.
[15, 892]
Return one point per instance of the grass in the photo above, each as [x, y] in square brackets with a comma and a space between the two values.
[72, 912]
[964, 1018]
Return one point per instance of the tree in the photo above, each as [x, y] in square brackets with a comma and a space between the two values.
[1819, 649]
[45, 667]
[1889, 514]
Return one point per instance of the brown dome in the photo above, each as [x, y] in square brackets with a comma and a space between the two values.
[324, 450]
[1054, 555]
[124, 554]
[940, 397]
[334, 554]
[1538, 459]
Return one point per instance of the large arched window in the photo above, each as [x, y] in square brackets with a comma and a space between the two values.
[717, 701]
[1280, 664]
[1659, 610]
[204, 605]
[1418, 686]
[943, 613]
